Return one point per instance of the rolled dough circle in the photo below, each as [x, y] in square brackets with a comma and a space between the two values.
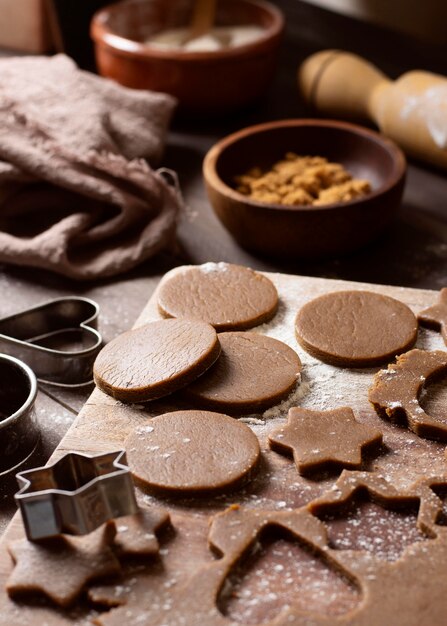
[253, 373]
[188, 452]
[156, 359]
[355, 328]
[229, 297]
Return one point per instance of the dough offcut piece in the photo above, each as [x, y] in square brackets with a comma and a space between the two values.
[395, 391]
[229, 297]
[191, 452]
[253, 373]
[156, 359]
[355, 328]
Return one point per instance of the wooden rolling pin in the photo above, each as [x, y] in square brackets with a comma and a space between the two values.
[411, 110]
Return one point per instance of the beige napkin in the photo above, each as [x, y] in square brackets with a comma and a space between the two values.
[76, 195]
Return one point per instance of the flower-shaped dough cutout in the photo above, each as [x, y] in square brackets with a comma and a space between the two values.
[395, 391]
[321, 439]
[436, 315]
[60, 568]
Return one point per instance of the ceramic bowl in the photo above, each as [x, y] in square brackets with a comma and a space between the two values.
[305, 231]
[204, 82]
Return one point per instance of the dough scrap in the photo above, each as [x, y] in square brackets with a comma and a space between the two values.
[395, 391]
[349, 483]
[355, 328]
[231, 534]
[436, 315]
[229, 297]
[136, 534]
[61, 567]
[156, 359]
[324, 438]
[136, 537]
[431, 509]
[253, 373]
[417, 575]
[191, 452]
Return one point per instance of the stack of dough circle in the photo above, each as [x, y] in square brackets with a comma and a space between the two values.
[191, 452]
[156, 359]
[253, 372]
[229, 297]
[355, 328]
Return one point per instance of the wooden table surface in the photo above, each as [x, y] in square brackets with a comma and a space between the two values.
[413, 253]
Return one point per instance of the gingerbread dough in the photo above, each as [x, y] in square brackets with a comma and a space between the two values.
[136, 534]
[230, 297]
[321, 439]
[378, 489]
[355, 328]
[436, 315]
[61, 567]
[234, 532]
[254, 372]
[395, 391]
[156, 359]
[191, 452]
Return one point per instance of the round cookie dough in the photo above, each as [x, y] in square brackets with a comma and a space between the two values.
[156, 359]
[355, 328]
[191, 452]
[229, 297]
[253, 373]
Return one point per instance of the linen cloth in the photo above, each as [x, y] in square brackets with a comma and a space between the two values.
[76, 195]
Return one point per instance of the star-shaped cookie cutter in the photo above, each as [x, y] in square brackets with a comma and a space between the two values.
[75, 495]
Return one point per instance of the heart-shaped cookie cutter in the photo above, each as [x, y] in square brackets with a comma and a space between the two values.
[35, 336]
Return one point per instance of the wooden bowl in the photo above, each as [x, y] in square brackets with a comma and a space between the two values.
[305, 231]
[204, 82]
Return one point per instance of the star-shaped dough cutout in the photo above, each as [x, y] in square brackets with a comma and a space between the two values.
[436, 315]
[61, 567]
[319, 439]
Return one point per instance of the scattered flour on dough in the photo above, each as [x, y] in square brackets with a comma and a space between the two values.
[208, 268]
[281, 410]
[320, 387]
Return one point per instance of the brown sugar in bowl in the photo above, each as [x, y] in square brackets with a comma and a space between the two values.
[210, 82]
[305, 231]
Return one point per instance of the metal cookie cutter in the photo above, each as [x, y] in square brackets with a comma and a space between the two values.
[75, 495]
[57, 339]
[19, 433]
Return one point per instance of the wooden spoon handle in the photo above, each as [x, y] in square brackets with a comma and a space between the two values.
[203, 17]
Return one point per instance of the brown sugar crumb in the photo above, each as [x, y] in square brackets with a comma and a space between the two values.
[302, 180]
[343, 193]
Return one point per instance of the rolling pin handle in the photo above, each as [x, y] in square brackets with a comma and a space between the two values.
[340, 84]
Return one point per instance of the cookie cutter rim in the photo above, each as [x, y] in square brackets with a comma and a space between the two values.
[33, 353]
[54, 511]
[26, 409]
